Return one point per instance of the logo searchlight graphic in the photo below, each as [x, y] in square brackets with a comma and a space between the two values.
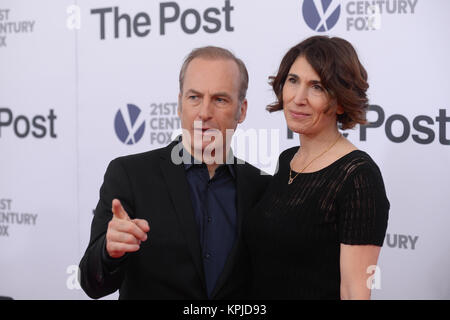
[129, 124]
[321, 15]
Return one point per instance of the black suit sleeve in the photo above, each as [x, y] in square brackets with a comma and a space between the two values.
[100, 274]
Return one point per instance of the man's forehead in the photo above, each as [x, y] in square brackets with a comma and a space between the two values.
[227, 64]
[211, 72]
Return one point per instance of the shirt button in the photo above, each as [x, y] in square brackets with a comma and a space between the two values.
[207, 256]
[209, 219]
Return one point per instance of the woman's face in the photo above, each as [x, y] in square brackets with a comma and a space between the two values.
[306, 103]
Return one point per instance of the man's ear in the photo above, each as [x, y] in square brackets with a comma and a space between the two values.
[242, 111]
[339, 110]
[179, 105]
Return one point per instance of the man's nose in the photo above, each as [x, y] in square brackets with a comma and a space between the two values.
[206, 109]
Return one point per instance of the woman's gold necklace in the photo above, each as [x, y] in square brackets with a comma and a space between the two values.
[290, 170]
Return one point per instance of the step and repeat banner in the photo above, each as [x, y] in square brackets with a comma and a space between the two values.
[83, 82]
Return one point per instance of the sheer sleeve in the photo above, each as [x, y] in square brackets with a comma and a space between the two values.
[363, 207]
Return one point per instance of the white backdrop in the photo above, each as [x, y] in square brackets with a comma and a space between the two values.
[70, 69]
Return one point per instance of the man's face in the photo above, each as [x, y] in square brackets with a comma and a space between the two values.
[209, 104]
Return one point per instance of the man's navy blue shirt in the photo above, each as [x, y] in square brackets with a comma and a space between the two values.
[214, 204]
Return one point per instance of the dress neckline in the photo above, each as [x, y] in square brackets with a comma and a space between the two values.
[324, 168]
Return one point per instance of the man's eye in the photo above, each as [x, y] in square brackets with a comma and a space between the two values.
[192, 97]
[220, 100]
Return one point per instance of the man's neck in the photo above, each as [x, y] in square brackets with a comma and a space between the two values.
[212, 169]
[210, 164]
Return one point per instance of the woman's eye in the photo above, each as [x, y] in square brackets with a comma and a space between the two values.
[292, 80]
[317, 87]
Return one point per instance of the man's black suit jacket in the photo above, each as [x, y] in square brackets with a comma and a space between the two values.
[168, 265]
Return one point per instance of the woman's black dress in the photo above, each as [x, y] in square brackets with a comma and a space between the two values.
[294, 233]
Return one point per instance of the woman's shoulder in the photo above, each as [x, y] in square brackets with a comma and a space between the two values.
[357, 160]
[358, 165]
[287, 154]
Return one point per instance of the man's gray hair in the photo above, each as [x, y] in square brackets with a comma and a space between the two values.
[213, 53]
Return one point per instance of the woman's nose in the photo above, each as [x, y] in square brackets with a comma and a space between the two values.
[301, 95]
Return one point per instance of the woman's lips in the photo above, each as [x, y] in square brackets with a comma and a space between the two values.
[298, 115]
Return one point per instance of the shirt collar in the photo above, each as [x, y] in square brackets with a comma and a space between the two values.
[189, 161]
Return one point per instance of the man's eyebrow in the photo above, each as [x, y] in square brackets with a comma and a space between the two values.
[215, 94]
[192, 91]
[222, 94]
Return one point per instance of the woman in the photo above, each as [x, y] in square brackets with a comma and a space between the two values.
[323, 219]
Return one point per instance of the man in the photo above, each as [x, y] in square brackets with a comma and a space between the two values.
[167, 225]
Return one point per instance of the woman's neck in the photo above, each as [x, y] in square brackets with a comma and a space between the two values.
[311, 144]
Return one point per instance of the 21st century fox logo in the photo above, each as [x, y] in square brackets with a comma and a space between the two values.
[130, 123]
[323, 15]
[9, 217]
[11, 25]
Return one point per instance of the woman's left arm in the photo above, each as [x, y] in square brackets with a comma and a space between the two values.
[354, 263]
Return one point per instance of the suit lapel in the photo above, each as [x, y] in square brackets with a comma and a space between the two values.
[175, 177]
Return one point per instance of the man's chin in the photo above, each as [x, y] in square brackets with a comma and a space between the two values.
[209, 152]
[203, 145]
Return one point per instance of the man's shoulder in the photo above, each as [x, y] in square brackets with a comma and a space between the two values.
[147, 157]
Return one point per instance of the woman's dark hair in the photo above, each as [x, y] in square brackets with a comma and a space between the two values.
[340, 71]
